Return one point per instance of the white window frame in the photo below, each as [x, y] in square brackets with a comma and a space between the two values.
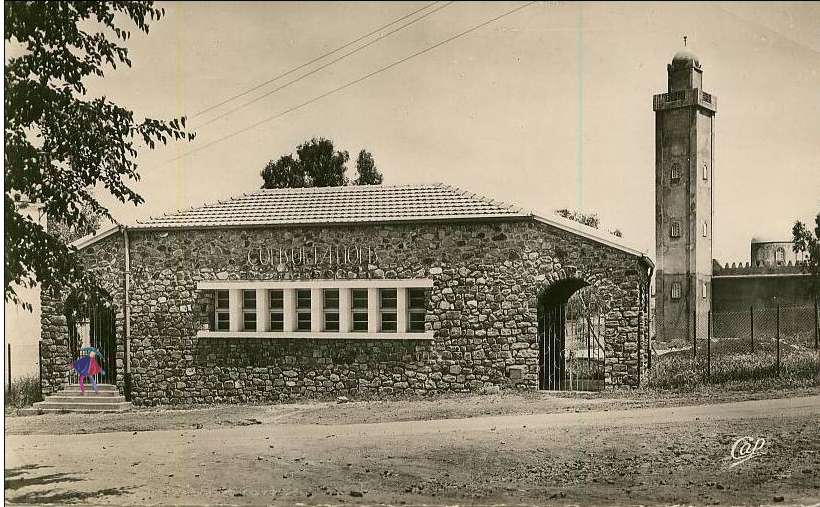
[273, 310]
[290, 311]
[415, 311]
[302, 311]
[222, 311]
[361, 310]
[250, 311]
[329, 311]
[388, 310]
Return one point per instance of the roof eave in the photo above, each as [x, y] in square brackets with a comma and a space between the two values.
[314, 223]
[94, 237]
[590, 233]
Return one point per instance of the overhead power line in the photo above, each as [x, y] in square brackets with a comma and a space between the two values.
[354, 82]
[302, 66]
[323, 66]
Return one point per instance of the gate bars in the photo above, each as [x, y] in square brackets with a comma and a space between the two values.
[571, 352]
[93, 324]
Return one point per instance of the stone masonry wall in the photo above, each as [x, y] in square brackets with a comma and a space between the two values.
[482, 308]
[106, 259]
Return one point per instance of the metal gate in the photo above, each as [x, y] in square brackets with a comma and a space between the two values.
[93, 324]
[571, 346]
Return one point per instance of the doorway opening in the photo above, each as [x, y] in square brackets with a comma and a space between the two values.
[571, 332]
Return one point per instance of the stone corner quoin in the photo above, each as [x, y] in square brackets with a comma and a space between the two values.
[487, 277]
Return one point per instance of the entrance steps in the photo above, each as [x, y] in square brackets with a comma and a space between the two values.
[70, 399]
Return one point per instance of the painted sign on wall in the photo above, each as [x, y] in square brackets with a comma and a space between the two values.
[331, 255]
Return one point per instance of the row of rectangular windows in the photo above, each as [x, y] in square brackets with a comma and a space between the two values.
[674, 230]
[676, 290]
[388, 310]
[675, 173]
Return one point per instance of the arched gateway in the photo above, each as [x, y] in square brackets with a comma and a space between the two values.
[365, 291]
[572, 334]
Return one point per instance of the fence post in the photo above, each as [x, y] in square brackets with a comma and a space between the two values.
[708, 345]
[695, 334]
[752, 326]
[778, 340]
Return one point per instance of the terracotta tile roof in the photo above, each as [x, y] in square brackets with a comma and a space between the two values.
[351, 204]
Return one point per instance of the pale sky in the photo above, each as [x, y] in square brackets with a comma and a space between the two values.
[549, 107]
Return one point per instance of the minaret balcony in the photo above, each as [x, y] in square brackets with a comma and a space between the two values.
[684, 98]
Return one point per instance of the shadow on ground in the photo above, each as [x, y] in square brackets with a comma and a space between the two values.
[31, 476]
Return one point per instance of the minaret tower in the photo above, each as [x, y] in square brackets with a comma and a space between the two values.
[684, 170]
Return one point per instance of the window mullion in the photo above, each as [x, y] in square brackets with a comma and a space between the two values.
[235, 306]
[316, 310]
[345, 311]
[373, 310]
[289, 306]
[262, 310]
[401, 310]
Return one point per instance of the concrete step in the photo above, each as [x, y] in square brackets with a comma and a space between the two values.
[64, 397]
[100, 387]
[88, 392]
[59, 406]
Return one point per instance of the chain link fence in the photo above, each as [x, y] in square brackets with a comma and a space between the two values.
[750, 345]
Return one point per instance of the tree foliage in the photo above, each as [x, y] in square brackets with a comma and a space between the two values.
[366, 169]
[809, 243]
[589, 219]
[59, 142]
[318, 164]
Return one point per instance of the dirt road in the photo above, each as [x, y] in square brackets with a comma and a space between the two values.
[647, 455]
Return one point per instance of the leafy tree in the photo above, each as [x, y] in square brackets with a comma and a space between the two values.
[318, 164]
[91, 223]
[590, 219]
[366, 167]
[809, 243]
[59, 142]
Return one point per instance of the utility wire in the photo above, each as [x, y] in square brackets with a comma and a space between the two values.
[302, 66]
[351, 83]
[323, 66]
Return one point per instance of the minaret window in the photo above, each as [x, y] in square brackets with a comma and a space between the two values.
[705, 229]
[704, 290]
[674, 173]
[675, 290]
[705, 171]
[675, 230]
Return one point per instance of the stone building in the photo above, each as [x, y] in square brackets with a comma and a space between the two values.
[369, 290]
